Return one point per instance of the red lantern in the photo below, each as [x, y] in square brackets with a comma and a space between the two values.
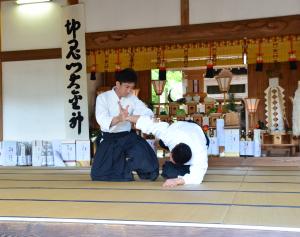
[259, 59]
[209, 65]
[93, 68]
[292, 56]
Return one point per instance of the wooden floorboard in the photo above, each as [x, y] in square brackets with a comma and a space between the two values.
[21, 229]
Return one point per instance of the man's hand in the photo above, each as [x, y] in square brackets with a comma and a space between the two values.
[123, 112]
[169, 183]
[122, 115]
[133, 118]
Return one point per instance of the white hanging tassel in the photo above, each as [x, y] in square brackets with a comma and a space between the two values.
[296, 112]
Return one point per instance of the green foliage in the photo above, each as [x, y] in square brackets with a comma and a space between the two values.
[180, 112]
[213, 110]
[231, 106]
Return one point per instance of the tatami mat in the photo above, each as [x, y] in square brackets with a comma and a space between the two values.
[263, 196]
[271, 187]
[263, 216]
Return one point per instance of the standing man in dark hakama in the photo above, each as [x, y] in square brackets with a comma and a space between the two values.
[120, 150]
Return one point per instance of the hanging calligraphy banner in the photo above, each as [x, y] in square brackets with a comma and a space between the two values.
[74, 64]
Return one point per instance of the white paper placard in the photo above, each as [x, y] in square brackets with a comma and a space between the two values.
[49, 153]
[220, 132]
[246, 148]
[68, 152]
[256, 135]
[83, 152]
[57, 153]
[9, 153]
[213, 148]
[37, 157]
[257, 149]
[232, 142]
[21, 153]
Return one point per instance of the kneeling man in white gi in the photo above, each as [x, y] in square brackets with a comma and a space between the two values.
[188, 149]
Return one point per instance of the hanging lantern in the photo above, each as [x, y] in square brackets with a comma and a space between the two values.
[251, 106]
[259, 59]
[93, 68]
[292, 60]
[245, 51]
[259, 63]
[292, 56]
[209, 65]
[224, 79]
[159, 86]
[162, 75]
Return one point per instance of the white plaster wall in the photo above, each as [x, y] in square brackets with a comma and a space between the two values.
[38, 26]
[33, 98]
[107, 15]
[204, 11]
[31, 26]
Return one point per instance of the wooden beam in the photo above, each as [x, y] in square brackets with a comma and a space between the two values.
[37, 54]
[185, 13]
[73, 2]
[231, 30]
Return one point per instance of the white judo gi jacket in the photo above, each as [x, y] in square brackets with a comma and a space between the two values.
[107, 107]
[181, 132]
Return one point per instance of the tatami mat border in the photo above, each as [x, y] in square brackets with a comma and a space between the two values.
[206, 181]
[151, 203]
[249, 168]
[207, 174]
[156, 190]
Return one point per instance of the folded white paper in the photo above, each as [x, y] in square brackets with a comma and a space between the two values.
[83, 152]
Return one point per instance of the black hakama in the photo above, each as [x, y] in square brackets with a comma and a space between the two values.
[118, 154]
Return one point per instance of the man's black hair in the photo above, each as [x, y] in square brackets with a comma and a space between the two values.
[181, 153]
[126, 75]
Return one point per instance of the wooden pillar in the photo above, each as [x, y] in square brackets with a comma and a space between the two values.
[184, 9]
[1, 100]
